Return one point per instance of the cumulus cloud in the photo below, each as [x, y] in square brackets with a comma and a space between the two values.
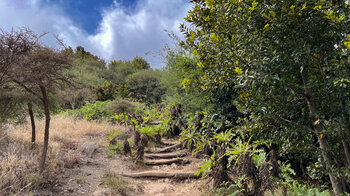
[122, 33]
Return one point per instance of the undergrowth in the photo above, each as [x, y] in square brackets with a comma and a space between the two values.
[19, 163]
[118, 185]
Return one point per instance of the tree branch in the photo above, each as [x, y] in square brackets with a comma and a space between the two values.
[26, 88]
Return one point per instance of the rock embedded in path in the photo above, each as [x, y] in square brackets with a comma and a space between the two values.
[155, 167]
[88, 148]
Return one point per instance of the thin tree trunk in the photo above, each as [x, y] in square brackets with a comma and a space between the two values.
[346, 150]
[47, 128]
[344, 136]
[345, 116]
[345, 145]
[336, 183]
[73, 109]
[32, 122]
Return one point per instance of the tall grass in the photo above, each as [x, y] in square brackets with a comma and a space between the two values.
[63, 127]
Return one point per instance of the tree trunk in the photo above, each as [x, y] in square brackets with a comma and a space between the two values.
[73, 110]
[32, 122]
[346, 150]
[345, 145]
[336, 183]
[45, 101]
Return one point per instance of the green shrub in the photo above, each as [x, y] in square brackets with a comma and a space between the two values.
[105, 91]
[121, 118]
[118, 106]
[80, 179]
[112, 135]
[36, 180]
[123, 91]
[113, 182]
[147, 130]
[145, 86]
[115, 149]
[94, 111]
[301, 189]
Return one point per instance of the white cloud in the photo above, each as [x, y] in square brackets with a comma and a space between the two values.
[121, 34]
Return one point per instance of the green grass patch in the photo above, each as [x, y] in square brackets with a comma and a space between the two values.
[80, 179]
[115, 149]
[116, 184]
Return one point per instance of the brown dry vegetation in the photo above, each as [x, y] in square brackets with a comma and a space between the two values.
[19, 164]
[96, 175]
[62, 128]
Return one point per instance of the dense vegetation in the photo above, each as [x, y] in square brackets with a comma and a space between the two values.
[259, 88]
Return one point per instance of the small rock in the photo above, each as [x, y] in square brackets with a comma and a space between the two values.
[101, 192]
[155, 167]
[167, 189]
[88, 148]
[173, 166]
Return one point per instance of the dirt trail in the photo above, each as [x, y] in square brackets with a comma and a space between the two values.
[86, 178]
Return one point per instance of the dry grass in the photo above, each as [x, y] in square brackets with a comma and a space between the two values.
[19, 168]
[62, 128]
[19, 164]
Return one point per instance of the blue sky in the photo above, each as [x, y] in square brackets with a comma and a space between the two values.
[111, 29]
[87, 13]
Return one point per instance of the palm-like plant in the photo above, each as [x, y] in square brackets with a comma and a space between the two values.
[190, 138]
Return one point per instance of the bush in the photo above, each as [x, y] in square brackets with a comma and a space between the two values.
[19, 169]
[94, 111]
[118, 185]
[299, 189]
[105, 91]
[118, 106]
[145, 86]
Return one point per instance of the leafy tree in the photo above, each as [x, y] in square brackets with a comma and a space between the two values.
[289, 62]
[140, 63]
[81, 53]
[180, 81]
[119, 71]
[145, 86]
[88, 71]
